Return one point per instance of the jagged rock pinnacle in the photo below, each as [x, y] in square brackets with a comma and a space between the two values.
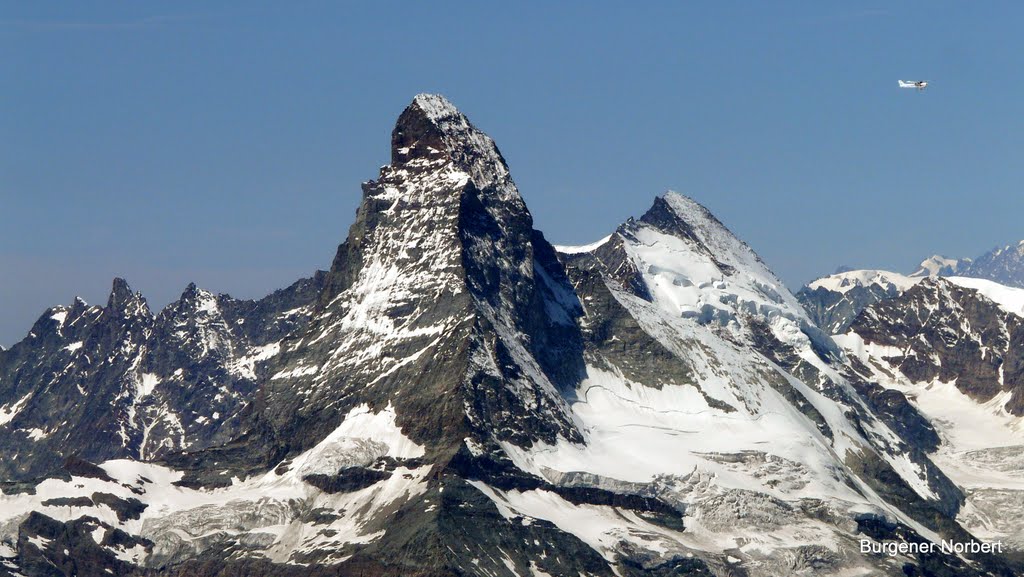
[123, 300]
[432, 129]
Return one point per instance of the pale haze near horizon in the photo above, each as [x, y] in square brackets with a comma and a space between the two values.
[225, 144]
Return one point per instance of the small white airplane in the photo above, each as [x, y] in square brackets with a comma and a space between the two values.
[920, 85]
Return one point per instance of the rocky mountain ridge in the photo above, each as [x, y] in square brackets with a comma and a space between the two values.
[117, 381]
[1004, 265]
[952, 346]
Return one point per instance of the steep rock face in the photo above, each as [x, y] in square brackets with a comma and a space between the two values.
[110, 382]
[445, 310]
[68, 385]
[443, 300]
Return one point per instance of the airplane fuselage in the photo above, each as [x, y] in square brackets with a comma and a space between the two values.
[918, 84]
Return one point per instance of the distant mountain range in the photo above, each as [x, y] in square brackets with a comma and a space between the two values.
[456, 396]
[835, 300]
[954, 346]
[1004, 265]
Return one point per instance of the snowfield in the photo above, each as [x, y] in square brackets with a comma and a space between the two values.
[844, 281]
[184, 522]
[1010, 299]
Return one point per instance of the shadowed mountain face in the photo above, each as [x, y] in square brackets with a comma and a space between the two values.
[457, 397]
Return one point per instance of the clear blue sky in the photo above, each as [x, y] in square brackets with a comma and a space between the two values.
[224, 143]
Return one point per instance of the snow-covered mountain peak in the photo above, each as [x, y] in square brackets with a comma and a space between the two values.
[697, 265]
[431, 132]
[694, 214]
[436, 106]
[1003, 264]
[683, 218]
[834, 301]
[442, 268]
[446, 178]
[845, 281]
[938, 265]
[683, 259]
